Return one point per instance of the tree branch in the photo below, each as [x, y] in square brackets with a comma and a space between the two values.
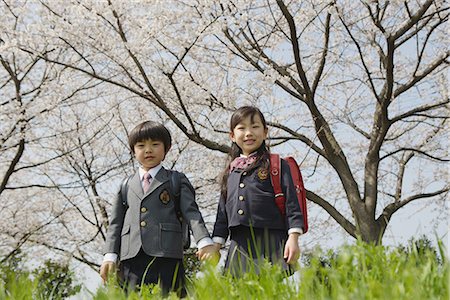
[412, 20]
[347, 225]
[391, 208]
[300, 137]
[361, 57]
[323, 55]
[417, 78]
[419, 109]
[414, 150]
[296, 48]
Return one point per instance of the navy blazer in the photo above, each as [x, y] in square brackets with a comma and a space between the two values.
[251, 202]
[150, 222]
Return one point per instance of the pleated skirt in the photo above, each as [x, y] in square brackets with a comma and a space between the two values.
[250, 247]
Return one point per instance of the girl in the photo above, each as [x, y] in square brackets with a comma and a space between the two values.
[247, 210]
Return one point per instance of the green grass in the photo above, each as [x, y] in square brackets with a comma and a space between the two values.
[355, 272]
[359, 271]
[17, 287]
[369, 272]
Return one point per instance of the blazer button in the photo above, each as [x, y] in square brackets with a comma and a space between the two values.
[241, 184]
[241, 212]
[143, 224]
[241, 198]
[143, 209]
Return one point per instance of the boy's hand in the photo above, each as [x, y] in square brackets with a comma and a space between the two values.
[106, 268]
[209, 252]
[291, 249]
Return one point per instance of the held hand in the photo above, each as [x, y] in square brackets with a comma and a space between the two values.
[291, 249]
[210, 252]
[106, 268]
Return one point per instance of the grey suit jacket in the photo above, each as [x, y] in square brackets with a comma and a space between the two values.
[150, 222]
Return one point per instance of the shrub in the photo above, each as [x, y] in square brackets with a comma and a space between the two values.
[50, 281]
[55, 281]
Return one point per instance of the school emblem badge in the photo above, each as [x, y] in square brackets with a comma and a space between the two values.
[164, 197]
[263, 174]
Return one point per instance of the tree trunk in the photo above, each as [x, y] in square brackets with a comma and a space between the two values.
[367, 228]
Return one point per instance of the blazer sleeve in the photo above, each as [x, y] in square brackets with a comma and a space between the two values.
[221, 224]
[190, 211]
[113, 236]
[293, 212]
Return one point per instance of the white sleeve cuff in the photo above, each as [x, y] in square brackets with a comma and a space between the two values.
[206, 241]
[110, 257]
[295, 230]
[218, 240]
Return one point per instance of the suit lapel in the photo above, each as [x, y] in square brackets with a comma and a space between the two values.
[135, 186]
[161, 177]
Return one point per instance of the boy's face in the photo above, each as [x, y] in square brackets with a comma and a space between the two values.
[149, 153]
[249, 134]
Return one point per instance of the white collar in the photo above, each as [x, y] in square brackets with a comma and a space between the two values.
[242, 155]
[153, 171]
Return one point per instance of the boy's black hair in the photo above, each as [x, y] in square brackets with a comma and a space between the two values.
[150, 130]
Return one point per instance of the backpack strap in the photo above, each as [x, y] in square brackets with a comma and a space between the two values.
[275, 178]
[175, 187]
[124, 191]
[297, 179]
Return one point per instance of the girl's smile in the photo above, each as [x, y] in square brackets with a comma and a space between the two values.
[249, 134]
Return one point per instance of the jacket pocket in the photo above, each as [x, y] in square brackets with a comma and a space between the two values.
[171, 238]
[125, 240]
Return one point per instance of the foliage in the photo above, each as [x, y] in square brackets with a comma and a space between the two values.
[11, 265]
[13, 277]
[360, 271]
[191, 263]
[55, 281]
[52, 280]
[422, 247]
[17, 286]
[375, 272]
[114, 291]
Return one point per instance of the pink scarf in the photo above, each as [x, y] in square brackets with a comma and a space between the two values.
[242, 162]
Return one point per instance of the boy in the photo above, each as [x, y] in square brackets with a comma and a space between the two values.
[147, 233]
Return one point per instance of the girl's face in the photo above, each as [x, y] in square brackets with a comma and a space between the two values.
[249, 134]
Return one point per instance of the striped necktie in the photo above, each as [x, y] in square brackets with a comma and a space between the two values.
[146, 179]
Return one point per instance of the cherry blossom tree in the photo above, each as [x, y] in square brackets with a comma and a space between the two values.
[27, 83]
[356, 90]
[42, 172]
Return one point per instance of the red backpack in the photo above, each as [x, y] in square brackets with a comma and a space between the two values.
[275, 164]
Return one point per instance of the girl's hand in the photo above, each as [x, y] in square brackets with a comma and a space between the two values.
[106, 268]
[291, 249]
[210, 252]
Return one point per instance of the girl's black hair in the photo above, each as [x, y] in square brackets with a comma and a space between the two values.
[262, 153]
[150, 130]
